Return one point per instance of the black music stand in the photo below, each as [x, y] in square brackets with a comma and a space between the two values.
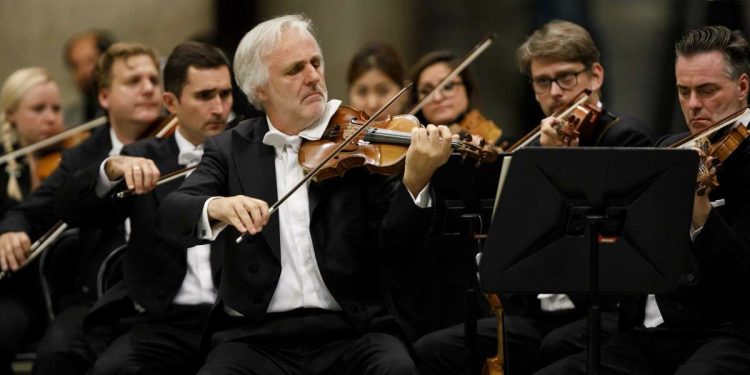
[591, 221]
[466, 192]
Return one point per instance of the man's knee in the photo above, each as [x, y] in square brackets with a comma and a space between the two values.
[388, 355]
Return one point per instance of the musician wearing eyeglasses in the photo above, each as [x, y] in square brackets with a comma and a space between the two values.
[703, 325]
[561, 60]
[455, 103]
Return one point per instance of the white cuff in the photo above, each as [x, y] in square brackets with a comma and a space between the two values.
[103, 184]
[423, 199]
[555, 302]
[205, 230]
[694, 233]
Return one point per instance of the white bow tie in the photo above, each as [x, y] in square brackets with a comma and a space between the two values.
[280, 141]
[190, 158]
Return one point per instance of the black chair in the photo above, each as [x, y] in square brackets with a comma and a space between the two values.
[54, 266]
[110, 271]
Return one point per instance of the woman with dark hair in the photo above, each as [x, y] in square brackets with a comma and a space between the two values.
[453, 105]
[375, 75]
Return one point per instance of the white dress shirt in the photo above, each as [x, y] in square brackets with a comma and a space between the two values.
[300, 284]
[197, 286]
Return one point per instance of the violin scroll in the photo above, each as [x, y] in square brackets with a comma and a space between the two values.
[476, 148]
[579, 124]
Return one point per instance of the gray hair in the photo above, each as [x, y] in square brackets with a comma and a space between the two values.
[250, 70]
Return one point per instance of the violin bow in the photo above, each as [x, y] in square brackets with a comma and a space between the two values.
[53, 139]
[54, 233]
[333, 154]
[40, 245]
[468, 59]
[690, 140]
[167, 128]
[162, 180]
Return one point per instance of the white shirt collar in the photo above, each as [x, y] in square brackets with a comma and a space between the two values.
[275, 137]
[116, 144]
[183, 144]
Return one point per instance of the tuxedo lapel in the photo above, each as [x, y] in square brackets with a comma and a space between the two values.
[166, 161]
[314, 196]
[255, 166]
[216, 257]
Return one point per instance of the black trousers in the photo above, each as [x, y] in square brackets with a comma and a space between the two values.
[63, 349]
[305, 341]
[22, 315]
[149, 345]
[665, 351]
[531, 342]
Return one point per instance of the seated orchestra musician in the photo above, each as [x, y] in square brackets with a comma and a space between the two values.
[81, 52]
[30, 111]
[561, 60]
[301, 292]
[303, 288]
[703, 327]
[127, 76]
[151, 321]
[375, 75]
[456, 103]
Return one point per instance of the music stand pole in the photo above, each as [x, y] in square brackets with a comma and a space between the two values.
[594, 322]
[470, 321]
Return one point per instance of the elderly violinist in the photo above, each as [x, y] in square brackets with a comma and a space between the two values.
[302, 292]
[128, 84]
[703, 327]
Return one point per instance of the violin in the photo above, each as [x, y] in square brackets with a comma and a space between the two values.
[475, 124]
[45, 164]
[381, 148]
[496, 365]
[573, 112]
[579, 121]
[720, 147]
[718, 142]
[346, 135]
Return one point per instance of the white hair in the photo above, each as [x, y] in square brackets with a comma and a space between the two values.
[250, 70]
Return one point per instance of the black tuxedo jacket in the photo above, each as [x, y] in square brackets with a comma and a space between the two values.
[153, 270]
[620, 131]
[713, 292]
[36, 214]
[357, 223]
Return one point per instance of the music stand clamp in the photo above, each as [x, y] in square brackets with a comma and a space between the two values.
[634, 204]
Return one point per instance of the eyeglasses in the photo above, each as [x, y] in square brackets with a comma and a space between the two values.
[565, 81]
[449, 89]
